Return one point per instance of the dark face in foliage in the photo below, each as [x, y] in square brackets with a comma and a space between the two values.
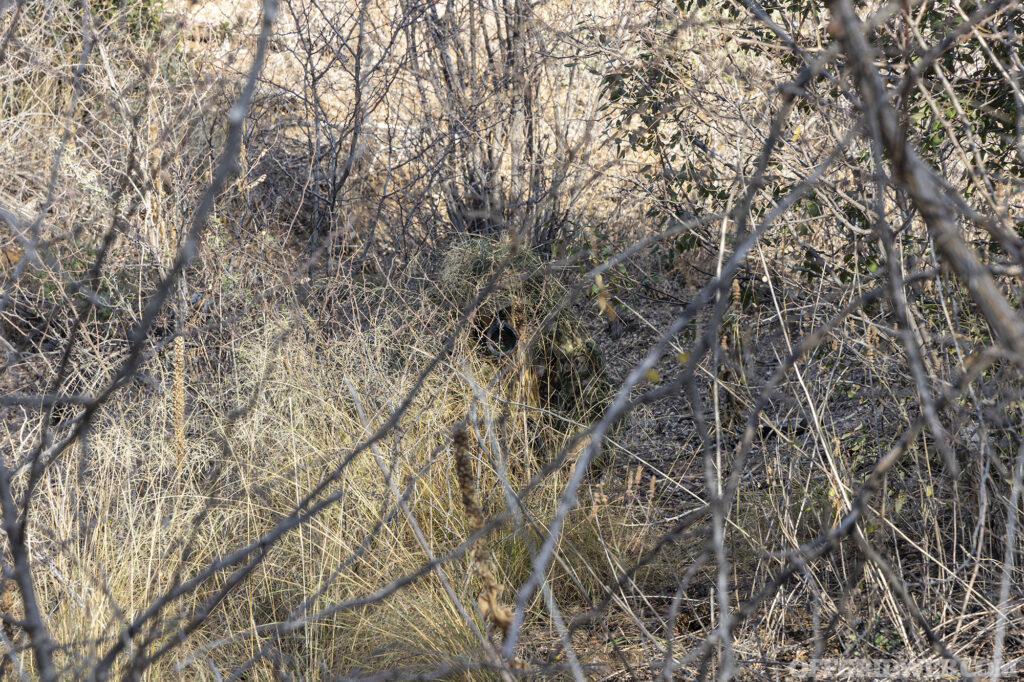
[500, 337]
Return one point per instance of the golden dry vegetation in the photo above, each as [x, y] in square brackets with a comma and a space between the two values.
[497, 340]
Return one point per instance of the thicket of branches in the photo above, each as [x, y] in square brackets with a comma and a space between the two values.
[472, 339]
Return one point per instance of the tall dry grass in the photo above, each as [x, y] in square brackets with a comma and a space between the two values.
[150, 519]
[297, 396]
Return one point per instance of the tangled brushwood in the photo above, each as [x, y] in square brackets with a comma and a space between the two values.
[362, 340]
